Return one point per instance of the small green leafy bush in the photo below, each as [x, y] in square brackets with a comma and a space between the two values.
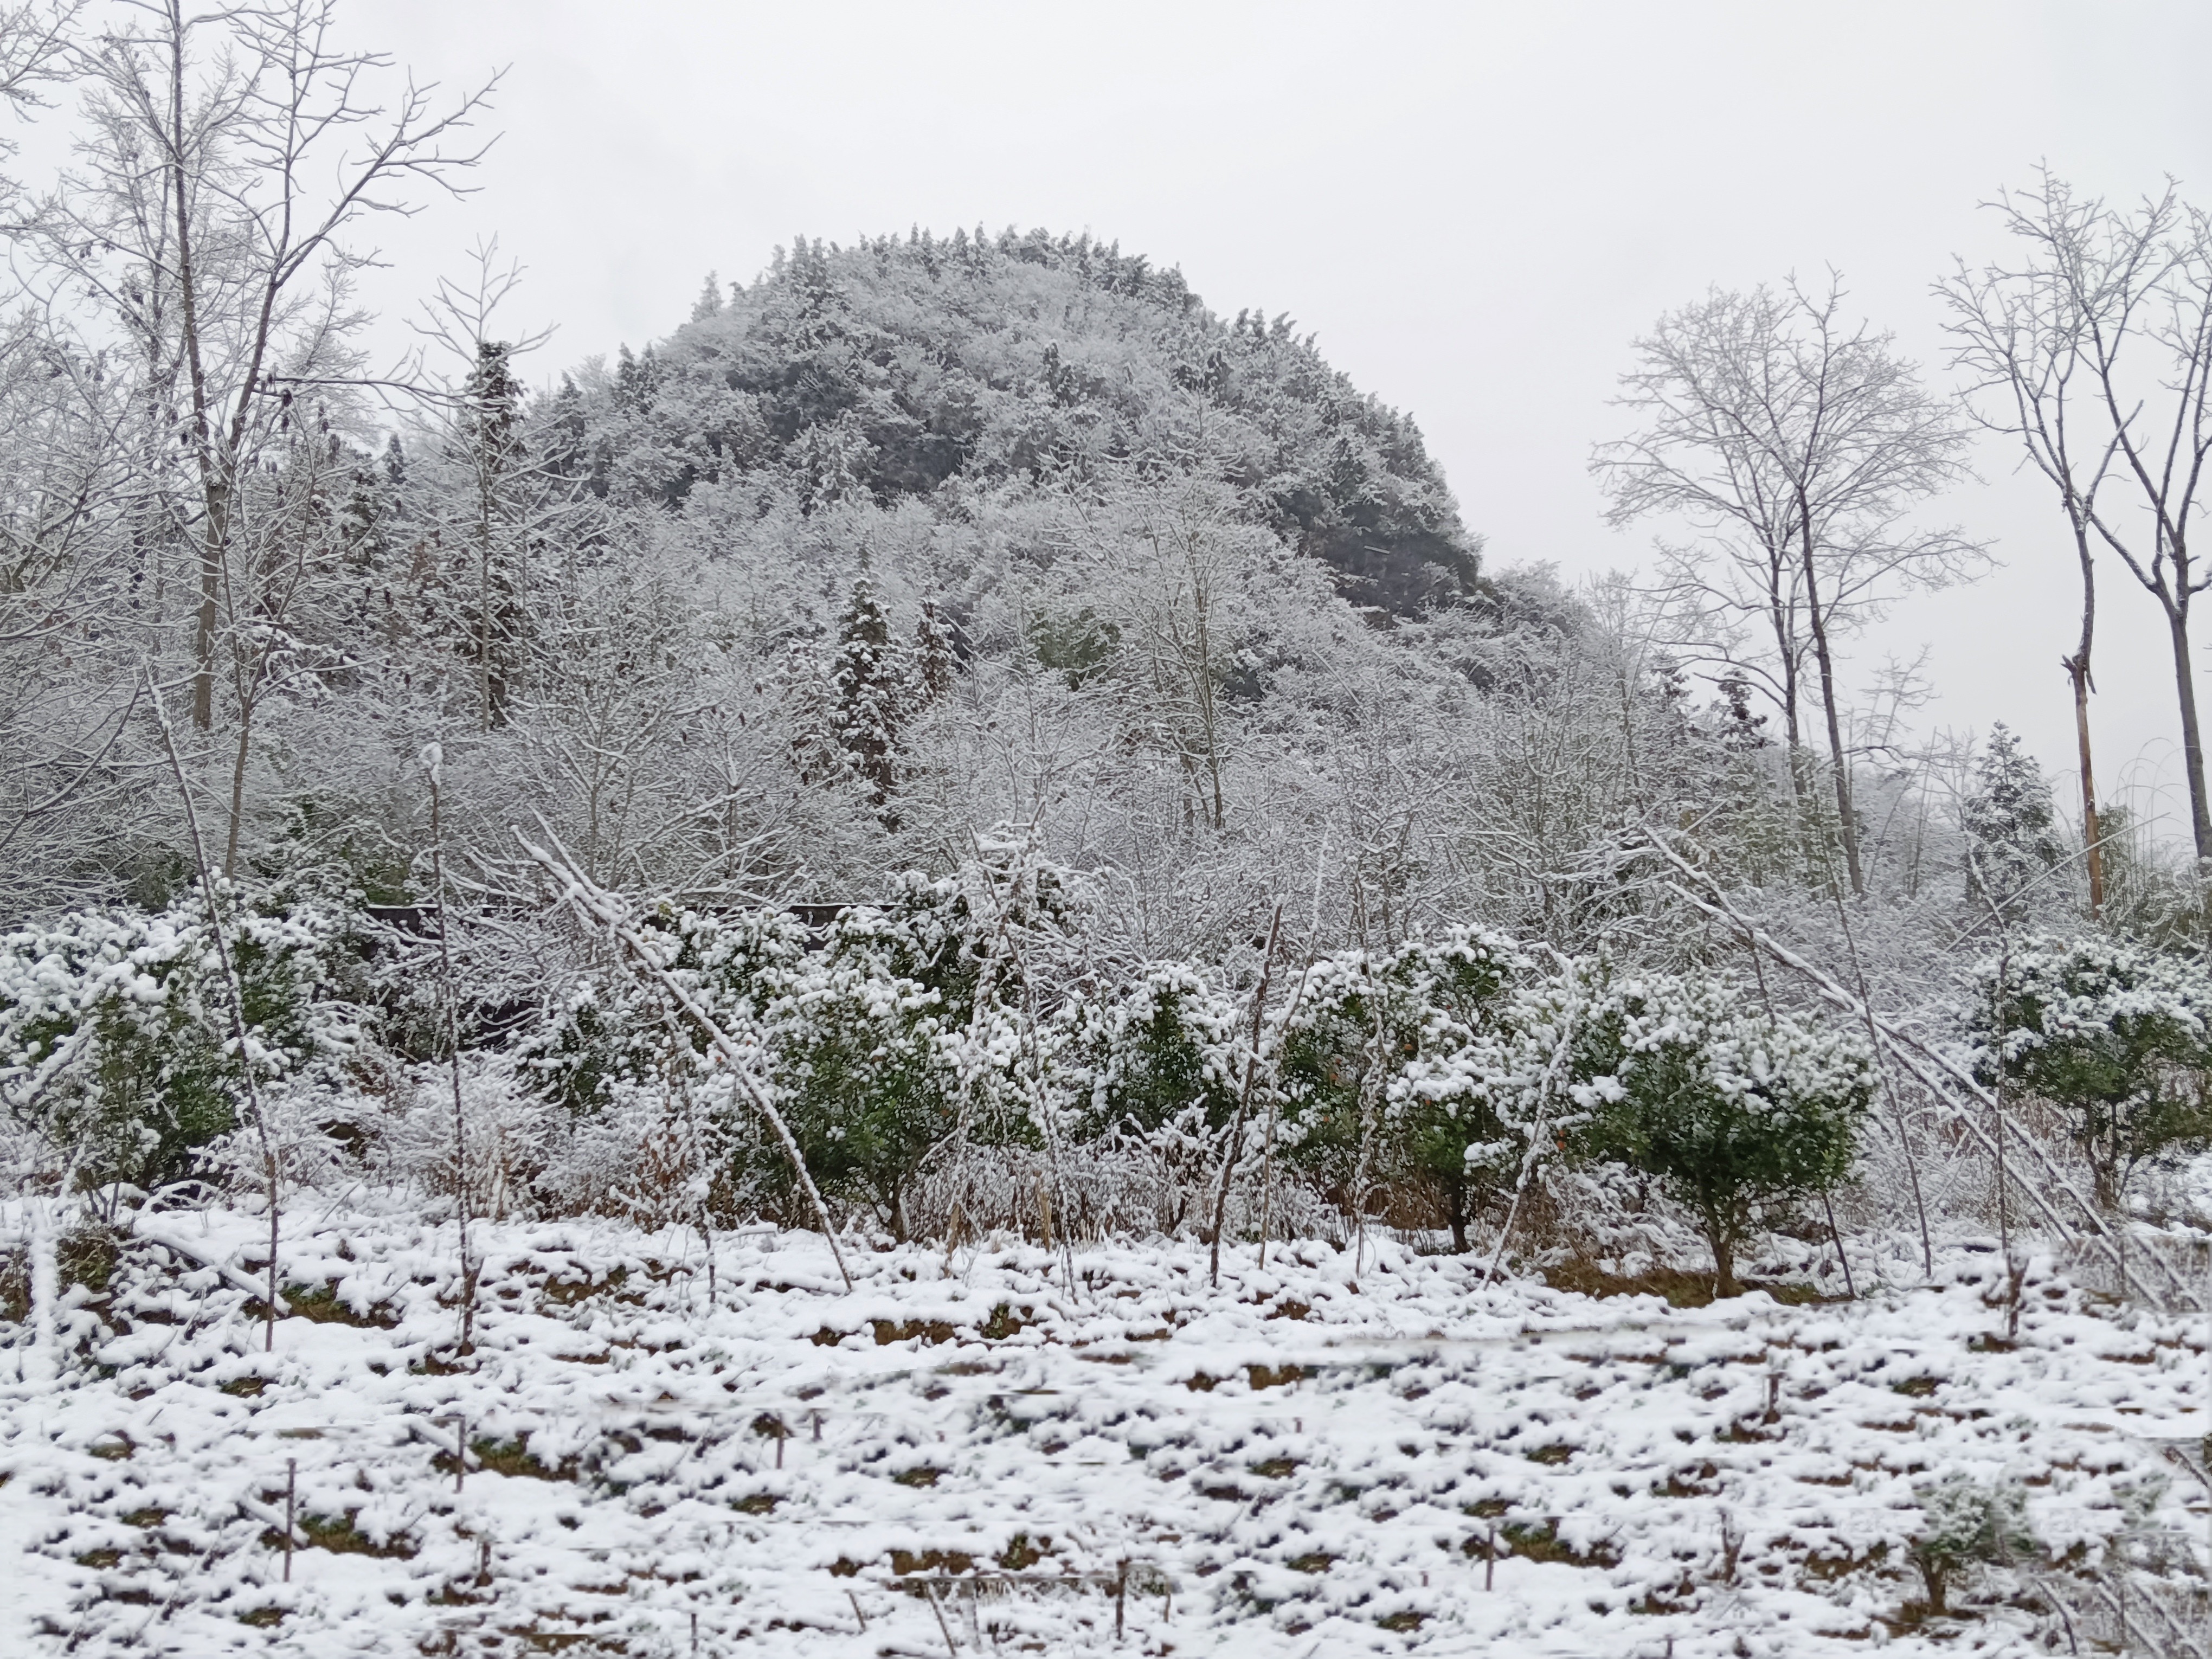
[1729, 1108]
[2116, 1034]
[116, 1038]
[1966, 1525]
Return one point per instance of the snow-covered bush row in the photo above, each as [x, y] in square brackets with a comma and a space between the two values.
[960, 1027]
[960, 1055]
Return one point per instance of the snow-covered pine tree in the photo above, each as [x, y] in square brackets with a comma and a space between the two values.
[872, 686]
[489, 449]
[2012, 837]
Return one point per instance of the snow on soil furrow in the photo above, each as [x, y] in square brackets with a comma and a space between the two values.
[1411, 1463]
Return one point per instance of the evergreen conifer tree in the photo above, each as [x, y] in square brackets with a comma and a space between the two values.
[2012, 836]
[870, 682]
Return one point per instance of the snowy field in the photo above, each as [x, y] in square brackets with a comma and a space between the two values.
[964, 1455]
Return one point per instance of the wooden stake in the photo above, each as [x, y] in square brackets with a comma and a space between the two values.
[461, 1446]
[1836, 1233]
[706, 1233]
[291, 1489]
[938, 1607]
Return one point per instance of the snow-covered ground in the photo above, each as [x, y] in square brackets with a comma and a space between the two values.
[964, 1453]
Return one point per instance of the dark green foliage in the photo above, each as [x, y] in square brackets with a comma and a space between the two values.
[1729, 1110]
[861, 1084]
[1075, 648]
[2116, 1034]
[1167, 1057]
[1363, 1025]
[115, 1029]
[857, 1029]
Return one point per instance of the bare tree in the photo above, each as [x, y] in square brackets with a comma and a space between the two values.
[280, 545]
[229, 155]
[1167, 564]
[36, 37]
[2098, 348]
[2025, 332]
[1802, 446]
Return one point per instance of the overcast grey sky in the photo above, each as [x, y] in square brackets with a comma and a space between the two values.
[1476, 206]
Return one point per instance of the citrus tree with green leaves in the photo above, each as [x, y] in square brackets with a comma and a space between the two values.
[1370, 1092]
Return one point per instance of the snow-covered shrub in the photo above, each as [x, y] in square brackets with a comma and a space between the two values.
[654, 1155]
[932, 1019]
[1371, 1093]
[1966, 1525]
[613, 1030]
[1509, 1084]
[1165, 1058]
[903, 1026]
[116, 1037]
[1157, 1076]
[861, 1060]
[1162, 1066]
[1731, 1108]
[2116, 1034]
[501, 1146]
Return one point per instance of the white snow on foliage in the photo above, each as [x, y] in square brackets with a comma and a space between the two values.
[962, 1452]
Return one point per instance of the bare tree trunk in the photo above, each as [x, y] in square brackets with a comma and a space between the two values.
[2077, 670]
[1847, 823]
[214, 495]
[238, 790]
[484, 623]
[433, 761]
[1724, 1285]
[2192, 739]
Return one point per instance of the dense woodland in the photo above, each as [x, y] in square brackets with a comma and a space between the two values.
[962, 734]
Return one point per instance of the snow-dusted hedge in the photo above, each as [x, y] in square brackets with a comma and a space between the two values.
[116, 1031]
[1429, 1080]
[959, 1032]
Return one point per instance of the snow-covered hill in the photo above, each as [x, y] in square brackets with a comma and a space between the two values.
[966, 1453]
